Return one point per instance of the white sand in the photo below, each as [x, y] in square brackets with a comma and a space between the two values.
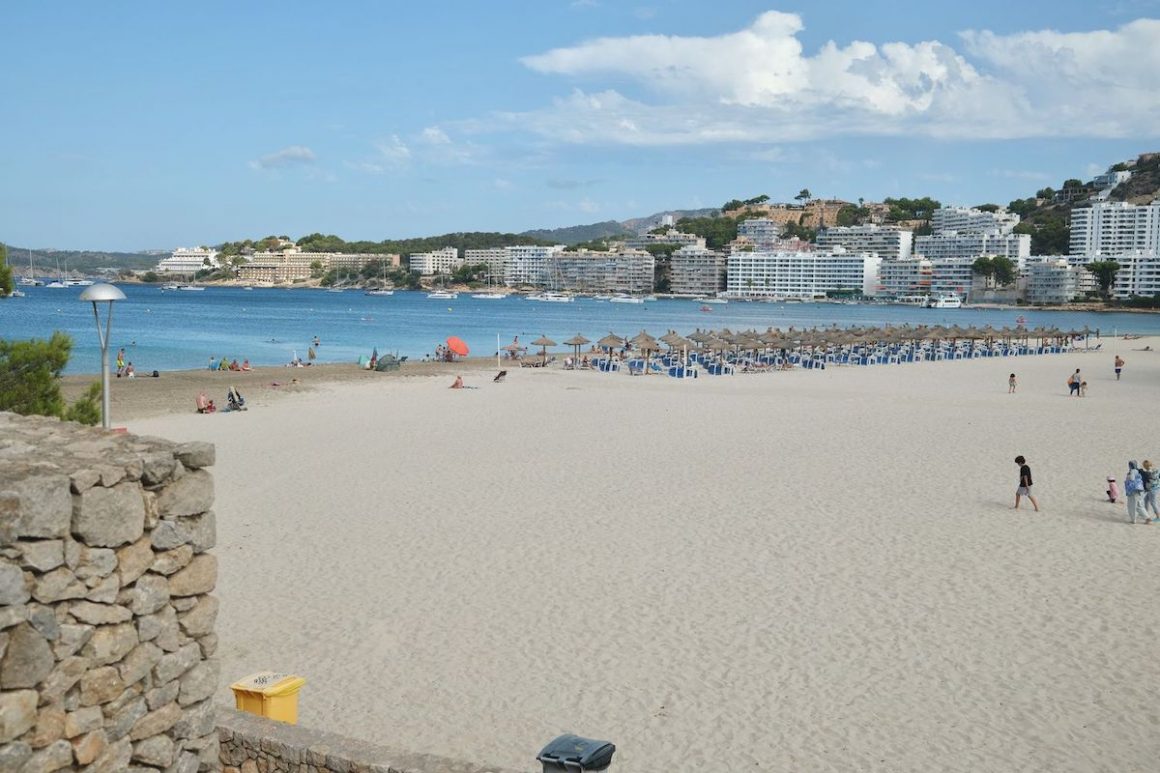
[807, 571]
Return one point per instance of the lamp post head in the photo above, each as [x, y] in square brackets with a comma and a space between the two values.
[102, 292]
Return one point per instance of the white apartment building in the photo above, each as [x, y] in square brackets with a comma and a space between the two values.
[617, 271]
[188, 260]
[1139, 274]
[889, 243]
[905, 277]
[952, 275]
[1110, 179]
[965, 220]
[293, 265]
[801, 274]
[951, 245]
[1111, 228]
[531, 265]
[1052, 280]
[442, 261]
[495, 258]
[697, 271]
[763, 233]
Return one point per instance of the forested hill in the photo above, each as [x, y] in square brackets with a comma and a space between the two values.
[316, 242]
[52, 262]
[580, 233]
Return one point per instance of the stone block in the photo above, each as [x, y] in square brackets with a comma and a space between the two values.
[43, 619]
[66, 674]
[28, 659]
[133, 560]
[83, 480]
[171, 561]
[13, 755]
[99, 614]
[158, 751]
[83, 721]
[168, 535]
[133, 469]
[55, 756]
[188, 495]
[14, 615]
[45, 506]
[109, 517]
[110, 643]
[159, 696]
[122, 721]
[114, 759]
[208, 644]
[42, 555]
[156, 722]
[72, 638]
[17, 713]
[58, 585]
[13, 584]
[150, 593]
[197, 530]
[174, 664]
[100, 685]
[197, 578]
[110, 474]
[152, 514]
[196, 454]
[187, 762]
[140, 662]
[199, 682]
[196, 721]
[88, 747]
[96, 562]
[184, 604]
[72, 553]
[157, 467]
[49, 727]
[104, 590]
[200, 620]
[150, 627]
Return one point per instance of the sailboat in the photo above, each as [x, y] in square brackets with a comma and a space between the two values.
[58, 283]
[30, 280]
[492, 291]
[384, 290]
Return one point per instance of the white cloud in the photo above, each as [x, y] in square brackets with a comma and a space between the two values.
[294, 155]
[759, 85]
[433, 135]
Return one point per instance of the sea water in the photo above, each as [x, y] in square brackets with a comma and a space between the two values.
[178, 330]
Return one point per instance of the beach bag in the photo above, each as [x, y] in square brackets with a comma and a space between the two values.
[1133, 485]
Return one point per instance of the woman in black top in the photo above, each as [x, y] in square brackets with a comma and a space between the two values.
[1024, 489]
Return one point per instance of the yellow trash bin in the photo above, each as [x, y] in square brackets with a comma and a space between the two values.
[270, 695]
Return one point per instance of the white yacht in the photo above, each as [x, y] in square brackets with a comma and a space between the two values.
[944, 301]
[711, 300]
[191, 288]
[912, 300]
[56, 284]
[379, 292]
[170, 286]
[443, 295]
[622, 298]
[552, 296]
[488, 296]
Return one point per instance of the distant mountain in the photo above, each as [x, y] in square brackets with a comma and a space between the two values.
[610, 228]
[579, 233]
[46, 261]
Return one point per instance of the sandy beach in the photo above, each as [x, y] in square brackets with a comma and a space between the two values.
[802, 571]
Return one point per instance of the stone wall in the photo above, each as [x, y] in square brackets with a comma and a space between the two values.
[106, 622]
[251, 744]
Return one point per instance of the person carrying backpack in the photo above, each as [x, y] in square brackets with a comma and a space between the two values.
[1134, 493]
[1150, 478]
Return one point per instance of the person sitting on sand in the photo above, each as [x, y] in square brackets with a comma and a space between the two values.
[234, 365]
[223, 365]
[246, 365]
[212, 364]
[130, 372]
[204, 404]
[457, 383]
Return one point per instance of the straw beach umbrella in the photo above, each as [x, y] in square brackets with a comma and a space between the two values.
[544, 342]
[576, 342]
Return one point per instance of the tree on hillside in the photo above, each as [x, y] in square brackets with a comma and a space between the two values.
[910, 209]
[1050, 234]
[757, 200]
[716, 231]
[851, 215]
[1073, 184]
[988, 207]
[1105, 273]
[1045, 193]
[732, 205]
[998, 269]
[6, 285]
[30, 380]
[803, 195]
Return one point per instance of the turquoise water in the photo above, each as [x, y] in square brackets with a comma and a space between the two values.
[182, 330]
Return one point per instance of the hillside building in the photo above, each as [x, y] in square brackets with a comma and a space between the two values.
[1111, 228]
[442, 261]
[616, 271]
[951, 245]
[887, 242]
[188, 260]
[293, 265]
[531, 265]
[1139, 275]
[495, 258]
[697, 271]
[1052, 280]
[801, 274]
[912, 276]
[671, 236]
[968, 220]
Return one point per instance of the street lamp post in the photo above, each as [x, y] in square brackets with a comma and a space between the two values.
[107, 293]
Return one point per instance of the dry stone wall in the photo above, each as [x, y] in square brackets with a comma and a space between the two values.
[106, 618]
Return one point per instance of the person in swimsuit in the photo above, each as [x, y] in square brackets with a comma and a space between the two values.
[1024, 489]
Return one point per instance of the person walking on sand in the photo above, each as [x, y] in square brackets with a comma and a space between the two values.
[1134, 493]
[1073, 384]
[1150, 477]
[1011, 384]
[1119, 366]
[1024, 489]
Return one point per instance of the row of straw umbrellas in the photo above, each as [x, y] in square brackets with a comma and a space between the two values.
[774, 338]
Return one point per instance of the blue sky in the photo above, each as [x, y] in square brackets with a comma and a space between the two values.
[138, 125]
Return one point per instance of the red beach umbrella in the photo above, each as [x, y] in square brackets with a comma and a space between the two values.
[456, 345]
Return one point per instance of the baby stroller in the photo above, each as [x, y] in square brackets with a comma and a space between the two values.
[234, 400]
